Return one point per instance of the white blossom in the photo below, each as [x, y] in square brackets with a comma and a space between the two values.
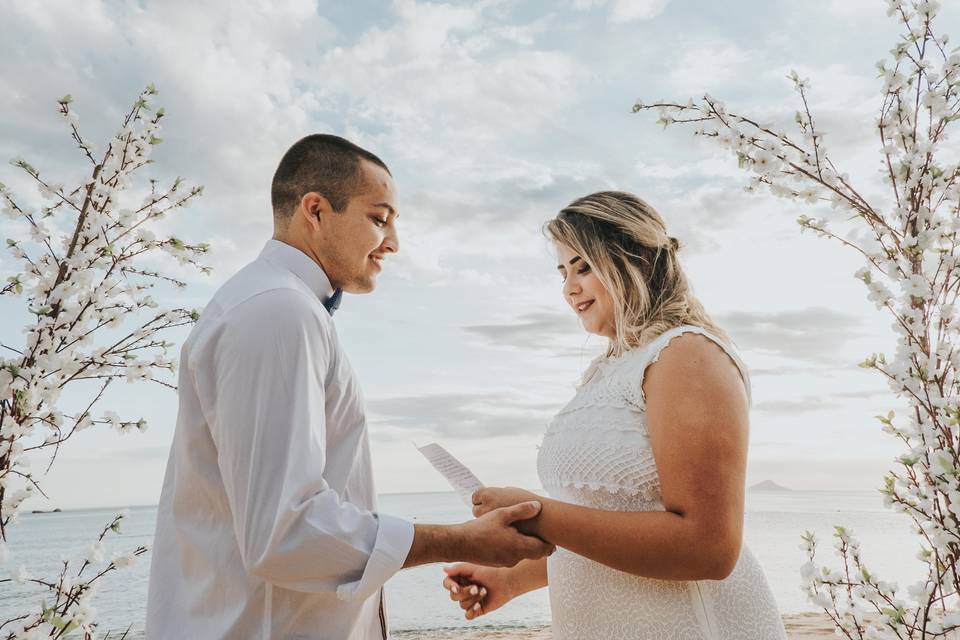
[93, 318]
[21, 575]
[123, 560]
[912, 274]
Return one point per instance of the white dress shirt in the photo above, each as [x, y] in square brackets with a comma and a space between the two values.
[267, 523]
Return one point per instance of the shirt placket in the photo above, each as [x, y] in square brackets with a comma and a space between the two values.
[383, 617]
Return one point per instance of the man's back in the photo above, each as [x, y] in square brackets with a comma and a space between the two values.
[264, 527]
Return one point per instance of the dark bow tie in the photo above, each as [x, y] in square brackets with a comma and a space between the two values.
[333, 302]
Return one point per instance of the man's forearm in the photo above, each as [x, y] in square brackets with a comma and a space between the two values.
[432, 543]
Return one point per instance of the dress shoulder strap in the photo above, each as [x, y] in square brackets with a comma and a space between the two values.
[653, 349]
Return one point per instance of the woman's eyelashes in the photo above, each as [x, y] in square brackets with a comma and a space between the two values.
[581, 271]
[380, 222]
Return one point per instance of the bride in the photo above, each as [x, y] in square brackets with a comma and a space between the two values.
[645, 466]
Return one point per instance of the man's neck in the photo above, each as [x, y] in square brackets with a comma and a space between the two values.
[296, 241]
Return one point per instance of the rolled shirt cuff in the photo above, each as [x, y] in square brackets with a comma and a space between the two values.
[390, 550]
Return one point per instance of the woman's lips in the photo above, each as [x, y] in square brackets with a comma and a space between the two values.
[583, 306]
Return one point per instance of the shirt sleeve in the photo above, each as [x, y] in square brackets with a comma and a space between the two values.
[265, 371]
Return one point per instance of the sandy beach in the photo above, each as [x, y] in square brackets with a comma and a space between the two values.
[800, 626]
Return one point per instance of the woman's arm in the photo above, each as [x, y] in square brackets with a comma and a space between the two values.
[697, 416]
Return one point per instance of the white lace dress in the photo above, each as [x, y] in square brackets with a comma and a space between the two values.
[596, 453]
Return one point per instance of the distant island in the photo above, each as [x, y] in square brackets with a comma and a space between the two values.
[57, 510]
[768, 485]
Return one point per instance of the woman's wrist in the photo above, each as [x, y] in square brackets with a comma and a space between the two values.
[541, 525]
[511, 581]
[525, 576]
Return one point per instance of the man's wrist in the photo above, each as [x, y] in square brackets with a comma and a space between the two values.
[434, 543]
[451, 543]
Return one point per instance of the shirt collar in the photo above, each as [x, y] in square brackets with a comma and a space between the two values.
[300, 264]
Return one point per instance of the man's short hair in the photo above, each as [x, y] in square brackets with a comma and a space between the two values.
[322, 163]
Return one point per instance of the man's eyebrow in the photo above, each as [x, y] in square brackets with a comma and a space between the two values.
[573, 260]
[388, 207]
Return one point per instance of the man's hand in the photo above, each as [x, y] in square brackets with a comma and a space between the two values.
[491, 539]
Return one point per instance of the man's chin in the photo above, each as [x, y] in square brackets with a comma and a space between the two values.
[361, 286]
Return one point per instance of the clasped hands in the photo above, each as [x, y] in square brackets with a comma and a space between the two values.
[480, 589]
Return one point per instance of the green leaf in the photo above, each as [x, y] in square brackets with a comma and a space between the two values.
[67, 99]
[895, 615]
[20, 400]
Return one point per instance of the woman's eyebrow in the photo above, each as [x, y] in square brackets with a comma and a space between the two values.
[573, 260]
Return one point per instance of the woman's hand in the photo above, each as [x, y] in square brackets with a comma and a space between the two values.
[478, 589]
[490, 498]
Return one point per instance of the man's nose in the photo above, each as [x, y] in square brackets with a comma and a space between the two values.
[391, 241]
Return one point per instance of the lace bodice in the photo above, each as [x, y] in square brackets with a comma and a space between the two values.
[599, 440]
[597, 453]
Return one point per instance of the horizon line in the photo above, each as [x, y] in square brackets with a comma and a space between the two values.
[401, 493]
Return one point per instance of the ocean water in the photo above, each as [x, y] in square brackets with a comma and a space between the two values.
[415, 599]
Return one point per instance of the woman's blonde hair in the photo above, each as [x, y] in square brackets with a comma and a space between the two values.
[625, 242]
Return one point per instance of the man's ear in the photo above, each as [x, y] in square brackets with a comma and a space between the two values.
[314, 207]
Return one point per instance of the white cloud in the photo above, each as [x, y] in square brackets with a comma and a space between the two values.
[708, 65]
[625, 11]
[492, 116]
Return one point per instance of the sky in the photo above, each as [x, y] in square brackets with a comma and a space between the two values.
[492, 115]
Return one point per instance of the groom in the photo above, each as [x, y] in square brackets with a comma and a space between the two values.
[267, 525]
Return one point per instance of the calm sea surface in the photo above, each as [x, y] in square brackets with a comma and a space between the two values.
[415, 600]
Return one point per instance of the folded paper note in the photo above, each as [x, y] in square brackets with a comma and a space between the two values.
[459, 477]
